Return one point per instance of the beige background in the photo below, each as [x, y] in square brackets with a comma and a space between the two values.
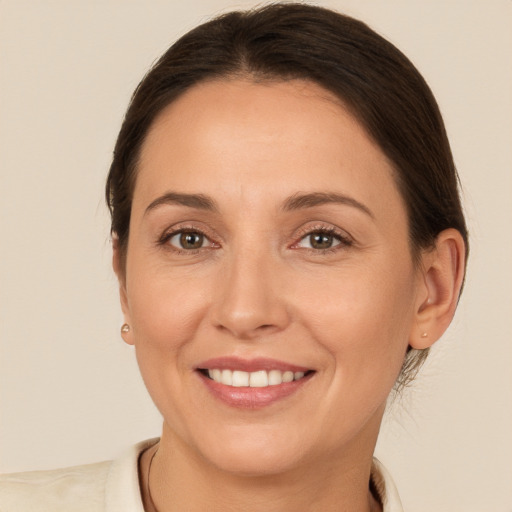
[69, 388]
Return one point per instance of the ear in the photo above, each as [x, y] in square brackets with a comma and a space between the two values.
[120, 270]
[442, 276]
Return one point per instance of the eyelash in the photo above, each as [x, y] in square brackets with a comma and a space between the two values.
[344, 240]
[167, 236]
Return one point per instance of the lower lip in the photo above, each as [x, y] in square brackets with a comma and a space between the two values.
[253, 398]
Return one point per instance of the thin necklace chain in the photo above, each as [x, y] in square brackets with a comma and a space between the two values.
[151, 502]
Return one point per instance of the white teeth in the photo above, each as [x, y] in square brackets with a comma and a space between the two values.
[275, 377]
[240, 378]
[227, 377]
[258, 379]
[287, 376]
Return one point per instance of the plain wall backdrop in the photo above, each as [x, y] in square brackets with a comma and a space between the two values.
[70, 392]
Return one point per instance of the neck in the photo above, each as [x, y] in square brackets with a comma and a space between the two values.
[180, 480]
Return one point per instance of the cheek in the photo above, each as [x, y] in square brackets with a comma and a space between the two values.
[165, 312]
[363, 319]
[164, 308]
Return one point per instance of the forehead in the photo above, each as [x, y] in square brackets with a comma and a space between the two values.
[238, 136]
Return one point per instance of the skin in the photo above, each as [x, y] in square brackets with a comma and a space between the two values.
[257, 287]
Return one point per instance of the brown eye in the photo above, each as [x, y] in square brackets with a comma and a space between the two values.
[188, 240]
[320, 240]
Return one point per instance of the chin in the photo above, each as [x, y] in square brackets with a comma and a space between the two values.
[259, 463]
[253, 453]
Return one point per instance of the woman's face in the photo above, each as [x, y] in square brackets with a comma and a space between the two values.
[268, 240]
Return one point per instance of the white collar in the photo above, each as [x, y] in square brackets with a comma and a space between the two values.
[385, 487]
[122, 493]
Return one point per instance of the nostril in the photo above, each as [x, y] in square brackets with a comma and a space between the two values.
[247, 332]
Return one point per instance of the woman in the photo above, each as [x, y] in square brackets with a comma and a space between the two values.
[289, 242]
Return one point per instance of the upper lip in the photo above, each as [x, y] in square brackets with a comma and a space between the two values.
[250, 365]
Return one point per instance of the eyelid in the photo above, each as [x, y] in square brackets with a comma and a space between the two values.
[345, 238]
[186, 227]
[205, 241]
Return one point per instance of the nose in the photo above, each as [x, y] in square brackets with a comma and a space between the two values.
[251, 303]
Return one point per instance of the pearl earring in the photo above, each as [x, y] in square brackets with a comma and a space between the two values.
[424, 335]
[125, 328]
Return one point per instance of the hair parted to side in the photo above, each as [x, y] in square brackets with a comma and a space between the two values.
[286, 41]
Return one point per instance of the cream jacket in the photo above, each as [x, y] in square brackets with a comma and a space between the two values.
[113, 487]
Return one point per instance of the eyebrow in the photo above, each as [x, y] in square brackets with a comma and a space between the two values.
[198, 201]
[299, 201]
[296, 202]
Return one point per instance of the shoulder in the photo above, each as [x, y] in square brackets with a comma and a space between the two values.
[76, 489]
[111, 486]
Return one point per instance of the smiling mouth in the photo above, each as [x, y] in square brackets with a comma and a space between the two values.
[256, 379]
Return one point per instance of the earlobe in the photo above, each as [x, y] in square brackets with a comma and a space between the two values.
[126, 331]
[442, 277]
[126, 334]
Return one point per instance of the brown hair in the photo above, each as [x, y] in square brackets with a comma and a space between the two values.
[380, 86]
